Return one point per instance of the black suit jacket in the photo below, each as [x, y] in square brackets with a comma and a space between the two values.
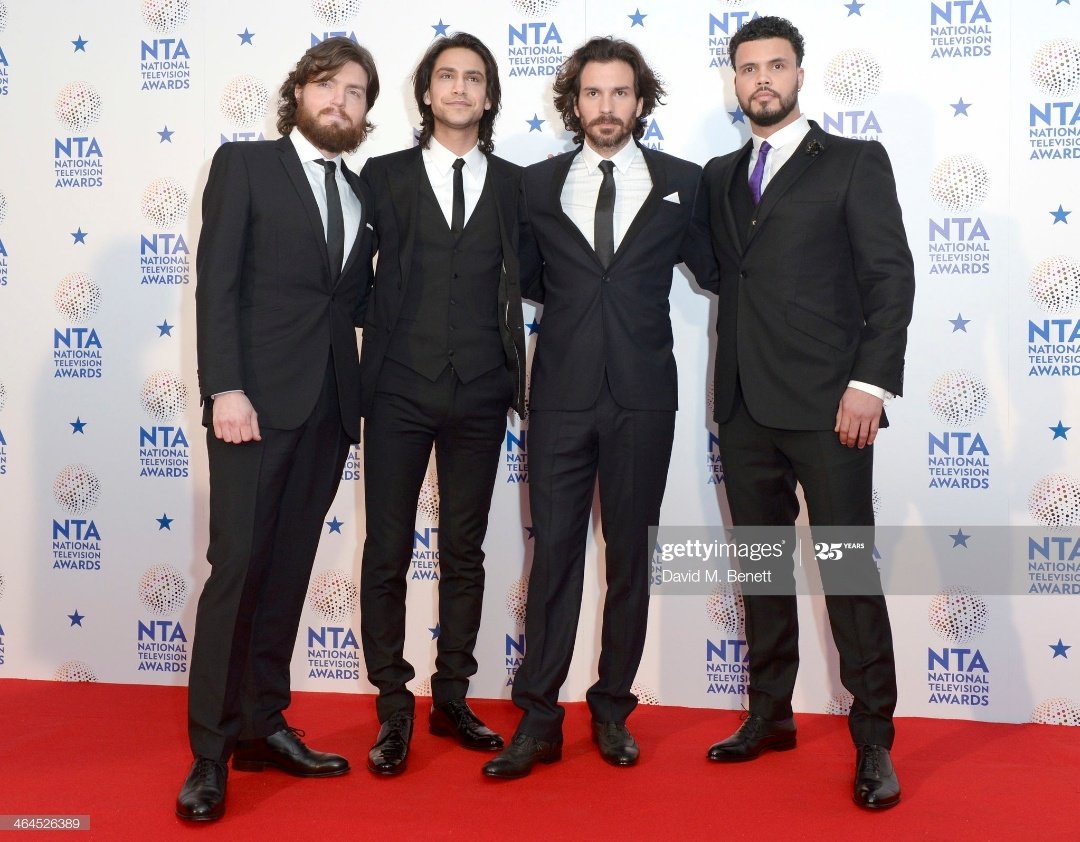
[394, 182]
[819, 291]
[615, 319]
[267, 314]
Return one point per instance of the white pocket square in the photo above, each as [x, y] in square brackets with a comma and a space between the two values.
[370, 226]
[672, 197]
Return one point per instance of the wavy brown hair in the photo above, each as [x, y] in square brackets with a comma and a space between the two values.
[647, 85]
[422, 81]
[321, 62]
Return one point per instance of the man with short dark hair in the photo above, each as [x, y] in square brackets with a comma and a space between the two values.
[816, 289]
[283, 265]
[609, 220]
[443, 360]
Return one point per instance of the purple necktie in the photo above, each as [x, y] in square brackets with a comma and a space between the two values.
[759, 172]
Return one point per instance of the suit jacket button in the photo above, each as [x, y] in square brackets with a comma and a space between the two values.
[606, 279]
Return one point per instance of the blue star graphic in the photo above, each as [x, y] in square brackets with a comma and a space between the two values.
[959, 323]
[534, 123]
[335, 525]
[737, 116]
[637, 19]
[440, 28]
[1066, 2]
[79, 236]
[245, 37]
[164, 329]
[76, 618]
[1060, 214]
[1060, 431]
[77, 425]
[531, 530]
[166, 135]
[960, 107]
[435, 630]
[1060, 649]
[960, 539]
[854, 8]
[164, 522]
[80, 44]
[533, 326]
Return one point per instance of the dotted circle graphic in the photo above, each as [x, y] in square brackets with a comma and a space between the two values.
[163, 590]
[77, 489]
[959, 183]
[1054, 501]
[78, 106]
[875, 498]
[244, 100]
[724, 608]
[164, 202]
[3, 208]
[958, 397]
[535, 8]
[77, 297]
[427, 503]
[515, 600]
[423, 688]
[3, 17]
[958, 615]
[1057, 711]
[163, 395]
[840, 704]
[335, 12]
[3, 395]
[334, 596]
[1055, 67]
[165, 15]
[74, 671]
[645, 695]
[852, 77]
[1, 585]
[1054, 284]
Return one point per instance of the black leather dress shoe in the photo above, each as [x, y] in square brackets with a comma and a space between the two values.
[524, 752]
[285, 751]
[754, 736]
[202, 797]
[391, 749]
[456, 719]
[876, 784]
[617, 745]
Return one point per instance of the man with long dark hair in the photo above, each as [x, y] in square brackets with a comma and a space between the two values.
[443, 361]
[816, 292]
[609, 221]
[283, 267]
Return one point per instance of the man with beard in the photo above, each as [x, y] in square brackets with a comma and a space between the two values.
[443, 361]
[283, 267]
[609, 222]
[816, 289]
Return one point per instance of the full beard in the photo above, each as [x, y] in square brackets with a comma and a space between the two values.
[330, 137]
[762, 117]
[612, 141]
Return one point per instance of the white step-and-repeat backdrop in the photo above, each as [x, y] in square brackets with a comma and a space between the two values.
[111, 113]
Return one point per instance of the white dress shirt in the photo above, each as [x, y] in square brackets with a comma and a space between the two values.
[316, 176]
[632, 186]
[439, 165]
[783, 144]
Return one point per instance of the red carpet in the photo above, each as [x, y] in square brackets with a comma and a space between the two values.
[118, 753]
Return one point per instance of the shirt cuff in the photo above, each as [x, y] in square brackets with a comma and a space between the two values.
[870, 389]
[227, 392]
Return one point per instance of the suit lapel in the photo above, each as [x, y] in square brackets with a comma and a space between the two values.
[295, 171]
[734, 236]
[404, 193]
[658, 175]
[505, 193]
[562, 169]
[365, 212]
[796, 165]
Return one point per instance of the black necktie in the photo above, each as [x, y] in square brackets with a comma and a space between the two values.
[604, 221]
[457, 215]
[335, 221]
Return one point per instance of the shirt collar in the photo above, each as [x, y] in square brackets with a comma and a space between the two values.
[442, 159]
[306, 149]
[621, 159]
[791, 133]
